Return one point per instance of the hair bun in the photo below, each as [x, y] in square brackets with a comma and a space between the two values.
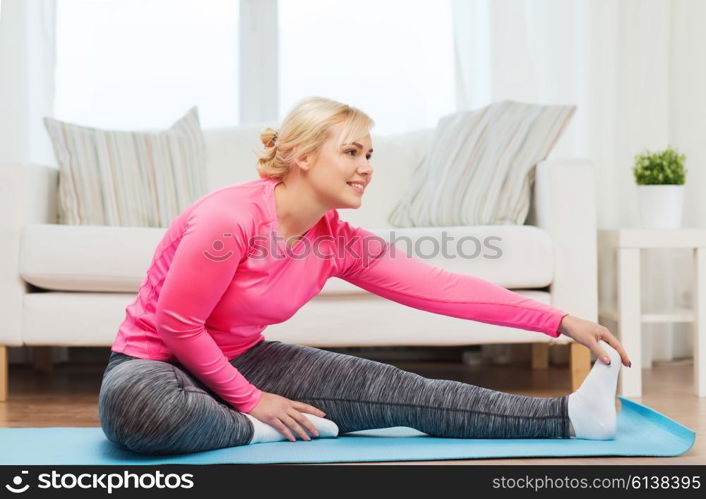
[268, 136]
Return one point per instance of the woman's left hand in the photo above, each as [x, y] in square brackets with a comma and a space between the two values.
[589, 333]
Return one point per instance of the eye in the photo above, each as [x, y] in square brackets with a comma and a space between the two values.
[355, 151]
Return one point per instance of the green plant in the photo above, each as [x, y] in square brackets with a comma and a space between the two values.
[659, 168]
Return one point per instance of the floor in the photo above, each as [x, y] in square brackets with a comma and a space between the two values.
[68, 397]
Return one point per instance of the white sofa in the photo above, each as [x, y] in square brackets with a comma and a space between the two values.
[66, 285]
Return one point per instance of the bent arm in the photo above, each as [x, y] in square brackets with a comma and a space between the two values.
[194, 285]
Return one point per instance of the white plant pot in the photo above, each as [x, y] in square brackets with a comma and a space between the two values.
[661, 206]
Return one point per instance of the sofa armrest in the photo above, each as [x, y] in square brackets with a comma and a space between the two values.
[28, 195]
[564, 204]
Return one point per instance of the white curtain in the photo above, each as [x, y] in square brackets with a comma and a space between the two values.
[26, 79]
[635, 70]
[27, 62]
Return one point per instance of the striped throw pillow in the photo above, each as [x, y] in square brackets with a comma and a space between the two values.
[479, 168]
[128, 178]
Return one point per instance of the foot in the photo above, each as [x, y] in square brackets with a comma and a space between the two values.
[592, 410]
[618, 408]
[266, 433]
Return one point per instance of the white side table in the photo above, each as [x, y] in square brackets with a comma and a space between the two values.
[628, 243]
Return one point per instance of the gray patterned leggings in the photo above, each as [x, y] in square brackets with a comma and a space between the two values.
[157, 407]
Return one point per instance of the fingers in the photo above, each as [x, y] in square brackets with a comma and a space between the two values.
[601, 354]
[608, 337]
[613, 341]
[282, 428]
[284, 424]
[293, 424]
[287, 417]
[306, 422]
[301, 406]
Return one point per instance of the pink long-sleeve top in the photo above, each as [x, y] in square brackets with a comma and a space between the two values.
[222, 273]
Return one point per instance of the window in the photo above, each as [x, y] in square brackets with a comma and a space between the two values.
[142, 63]
[392, 59]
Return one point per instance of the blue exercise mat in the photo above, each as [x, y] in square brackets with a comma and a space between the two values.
[641, 432]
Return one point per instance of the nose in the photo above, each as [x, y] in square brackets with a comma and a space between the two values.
[365, 168]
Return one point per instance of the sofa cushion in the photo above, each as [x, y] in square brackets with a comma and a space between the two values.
[87, 257]
[142, 178]
[479, 169]
[115, 259]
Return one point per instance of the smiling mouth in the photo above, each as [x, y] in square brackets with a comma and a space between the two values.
[357, 186]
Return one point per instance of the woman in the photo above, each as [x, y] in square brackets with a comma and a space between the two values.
[191, 371]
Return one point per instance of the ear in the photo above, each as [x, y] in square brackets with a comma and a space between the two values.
[303, 162]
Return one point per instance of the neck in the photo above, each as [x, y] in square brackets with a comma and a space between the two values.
[298, 208]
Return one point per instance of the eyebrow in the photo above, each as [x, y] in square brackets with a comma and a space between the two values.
[360, 146]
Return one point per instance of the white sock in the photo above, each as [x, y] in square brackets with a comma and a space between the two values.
[266, 433]
[592, 407]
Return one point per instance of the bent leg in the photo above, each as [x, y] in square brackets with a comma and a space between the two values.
[360, 394]
[155, 407]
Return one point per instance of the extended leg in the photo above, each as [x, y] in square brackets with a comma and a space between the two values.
[362, 394]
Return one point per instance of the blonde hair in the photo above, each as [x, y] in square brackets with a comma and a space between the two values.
[304, 130]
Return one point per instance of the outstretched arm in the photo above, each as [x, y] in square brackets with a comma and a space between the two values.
[386, 270]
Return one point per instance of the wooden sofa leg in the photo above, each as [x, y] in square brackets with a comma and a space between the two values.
[540, 356]
[4, 374]
[580, 362]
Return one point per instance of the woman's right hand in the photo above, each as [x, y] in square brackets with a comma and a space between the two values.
[285, 415]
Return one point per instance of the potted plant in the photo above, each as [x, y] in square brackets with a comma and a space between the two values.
[660, 180]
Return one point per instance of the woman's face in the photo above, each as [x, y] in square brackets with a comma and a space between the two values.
[333, 172]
